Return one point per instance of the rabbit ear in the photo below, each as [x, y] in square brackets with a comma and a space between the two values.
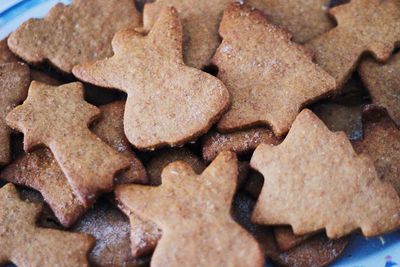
[167, 34]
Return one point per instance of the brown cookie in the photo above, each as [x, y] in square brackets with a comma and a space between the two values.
[304, 19]
[314, 180]
[383, 83]
[58, 118]
[168, 102]
[110, 129]
[200, 20]
[155, 166]
[25, 244]
[381, 141]
[317, 251]
[74, 34]
[269, 78]
[286, 239]
[341, 118]
[111, 229]
[39, 169]
[194, 213]
[363, 26]
[6, 56]
[14, 84]
[240, 142]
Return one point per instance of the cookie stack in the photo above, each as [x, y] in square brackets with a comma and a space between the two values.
[199, 133]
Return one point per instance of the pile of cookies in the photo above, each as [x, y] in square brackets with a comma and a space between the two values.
[199, 133]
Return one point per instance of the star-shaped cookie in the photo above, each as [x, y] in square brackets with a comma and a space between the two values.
[363, 26]
[25, 244]
[14, 84]
[269, 78]
[200, 20]
[168, 102]
[315, 180]
[73, 34]
[58, 117]
[194, 214]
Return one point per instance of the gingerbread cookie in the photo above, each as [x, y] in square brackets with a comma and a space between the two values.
[240, 142]
[39, 169]
[14, 84]
[381, 141]
[170, 105]
[326, 184]
[200, 20]
[58, 118]
[304, 19]
[74, 34]
[363, 26]
[265, 73]
[25, 244]
[111, 229]
[200, 206]
[383, 83]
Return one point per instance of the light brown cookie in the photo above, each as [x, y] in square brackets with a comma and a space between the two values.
[323, 184]
[240, 142]
[317, 251]
[74, 34]
[145, 234]
[6, 56]
[381, 141]
[111, 229]
[14, 84]
[155, 166]
[168, 103]
[58, 118]
[200, 20]
[341, 118]
[25, 244]
[194, 215]
[363, 26]
[304, 19]
[110, 129]
[383, 83]
[39, 169]
[286, 239]
[269, 78]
